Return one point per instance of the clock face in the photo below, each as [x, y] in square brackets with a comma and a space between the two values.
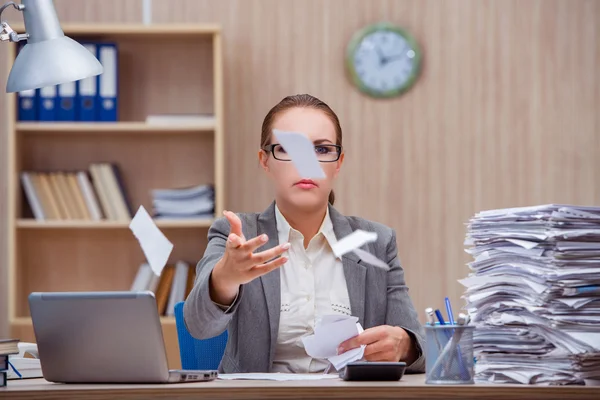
[383, 60]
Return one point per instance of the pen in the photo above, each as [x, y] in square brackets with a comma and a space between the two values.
[430, 318]
[449, 311]
[440, 317]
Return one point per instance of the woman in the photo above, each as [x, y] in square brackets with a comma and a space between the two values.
[267, 278]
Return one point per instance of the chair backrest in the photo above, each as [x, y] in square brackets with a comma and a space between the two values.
[195, 353]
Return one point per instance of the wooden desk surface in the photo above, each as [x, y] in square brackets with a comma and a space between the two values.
[410, 387]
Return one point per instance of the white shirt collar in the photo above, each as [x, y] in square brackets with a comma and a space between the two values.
[284, 229]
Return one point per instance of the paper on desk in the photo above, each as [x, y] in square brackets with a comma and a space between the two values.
[156, 247]
[330, 332]
[277, 376]
[302, 152]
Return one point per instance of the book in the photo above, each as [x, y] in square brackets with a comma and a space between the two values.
[164, 288]
[9, 346]
[178, 288]
[4, 362]
[89, 196]
[181, 119]
[48, 194]
[33, 197]
[191, 279]
[27, 367]
[102, 191]
[188, 202]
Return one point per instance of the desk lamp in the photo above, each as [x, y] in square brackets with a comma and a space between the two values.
[49, 58]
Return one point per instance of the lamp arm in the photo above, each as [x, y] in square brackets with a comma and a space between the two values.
[7, 34]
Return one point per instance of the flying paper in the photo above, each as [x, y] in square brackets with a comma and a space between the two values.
[302, 153]
[156, 247]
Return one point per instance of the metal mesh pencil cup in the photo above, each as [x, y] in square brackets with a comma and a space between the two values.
[449, 354]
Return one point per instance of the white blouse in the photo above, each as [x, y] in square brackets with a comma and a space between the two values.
[312, 285]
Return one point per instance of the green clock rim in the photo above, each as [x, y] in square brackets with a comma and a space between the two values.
[355, 42]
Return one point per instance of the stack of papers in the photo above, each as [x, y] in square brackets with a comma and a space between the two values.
[192, 202]
[534, 294]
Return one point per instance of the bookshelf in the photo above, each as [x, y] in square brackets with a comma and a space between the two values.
[163, 69]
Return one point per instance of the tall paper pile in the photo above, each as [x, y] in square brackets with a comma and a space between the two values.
[534, 294]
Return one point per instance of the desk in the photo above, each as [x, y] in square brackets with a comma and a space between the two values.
[410, 387]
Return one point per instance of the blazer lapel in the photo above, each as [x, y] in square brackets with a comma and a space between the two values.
[354, 272]
[271, 282]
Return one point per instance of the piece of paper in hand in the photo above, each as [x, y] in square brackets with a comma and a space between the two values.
[353, 241]
[302, 153]
[156, 247]
[341, 360]
[370, 259]
[330, 332]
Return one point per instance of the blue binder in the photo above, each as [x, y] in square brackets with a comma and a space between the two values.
[108, 83]
[28, 105]
[87, 92]
[66, 107]
[47, 104]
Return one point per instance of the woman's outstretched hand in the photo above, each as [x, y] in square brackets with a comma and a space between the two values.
[240, 264]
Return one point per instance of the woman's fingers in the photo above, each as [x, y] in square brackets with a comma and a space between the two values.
[234, 241]
[234, 222]
[255, 243]
[264, 256]
[263, 269]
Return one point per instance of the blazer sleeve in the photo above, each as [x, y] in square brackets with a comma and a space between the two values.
[203, 317]
[400, 309]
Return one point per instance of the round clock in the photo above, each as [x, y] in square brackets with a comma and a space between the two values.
[383, 60]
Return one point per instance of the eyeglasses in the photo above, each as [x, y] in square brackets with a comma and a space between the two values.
[324, 152]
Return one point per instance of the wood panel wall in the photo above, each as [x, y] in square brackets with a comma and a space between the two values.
[506, 112]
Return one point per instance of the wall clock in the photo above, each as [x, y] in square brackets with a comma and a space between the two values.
[383, 60]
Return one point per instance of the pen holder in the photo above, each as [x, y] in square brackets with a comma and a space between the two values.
[449, 354]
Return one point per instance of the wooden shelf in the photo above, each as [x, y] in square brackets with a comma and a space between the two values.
[108, 127]
[129, 30]
[26, 321]
[163, 70]
[77, 224]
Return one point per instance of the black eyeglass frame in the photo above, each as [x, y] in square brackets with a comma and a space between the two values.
[271, 147]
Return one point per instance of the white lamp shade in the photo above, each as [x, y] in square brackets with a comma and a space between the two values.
[49, 58]
[50, 63]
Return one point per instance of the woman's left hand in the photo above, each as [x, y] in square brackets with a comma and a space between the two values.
[384, 343]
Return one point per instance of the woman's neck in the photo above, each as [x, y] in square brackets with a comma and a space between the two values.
[307, 222]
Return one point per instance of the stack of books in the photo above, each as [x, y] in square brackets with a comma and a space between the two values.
[7, 347]
[534, 295]
[186, 203]
[172, 286]
[95, 195]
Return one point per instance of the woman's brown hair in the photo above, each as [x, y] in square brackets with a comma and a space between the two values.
[299, 100]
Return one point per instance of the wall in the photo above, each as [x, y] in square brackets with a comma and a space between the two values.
[504, 114]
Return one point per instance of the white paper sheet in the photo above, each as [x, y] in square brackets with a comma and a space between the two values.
[371, 259]
[330, 332]
[156, 247]
[526, 244]
[278, 377]
[353, 241]
[302, 153]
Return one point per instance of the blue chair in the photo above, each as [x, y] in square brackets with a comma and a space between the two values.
[196, 353]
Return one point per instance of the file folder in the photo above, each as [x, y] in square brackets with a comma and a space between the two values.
[47, 104]
[87, 92]
[28, 105]
[108, 83]
[66, 110]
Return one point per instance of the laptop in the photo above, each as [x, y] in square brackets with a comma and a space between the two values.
[103, 337]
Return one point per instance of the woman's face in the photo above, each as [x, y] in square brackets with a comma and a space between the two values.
[289, 185]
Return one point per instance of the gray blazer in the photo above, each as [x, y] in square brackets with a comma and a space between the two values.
[377, 297]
